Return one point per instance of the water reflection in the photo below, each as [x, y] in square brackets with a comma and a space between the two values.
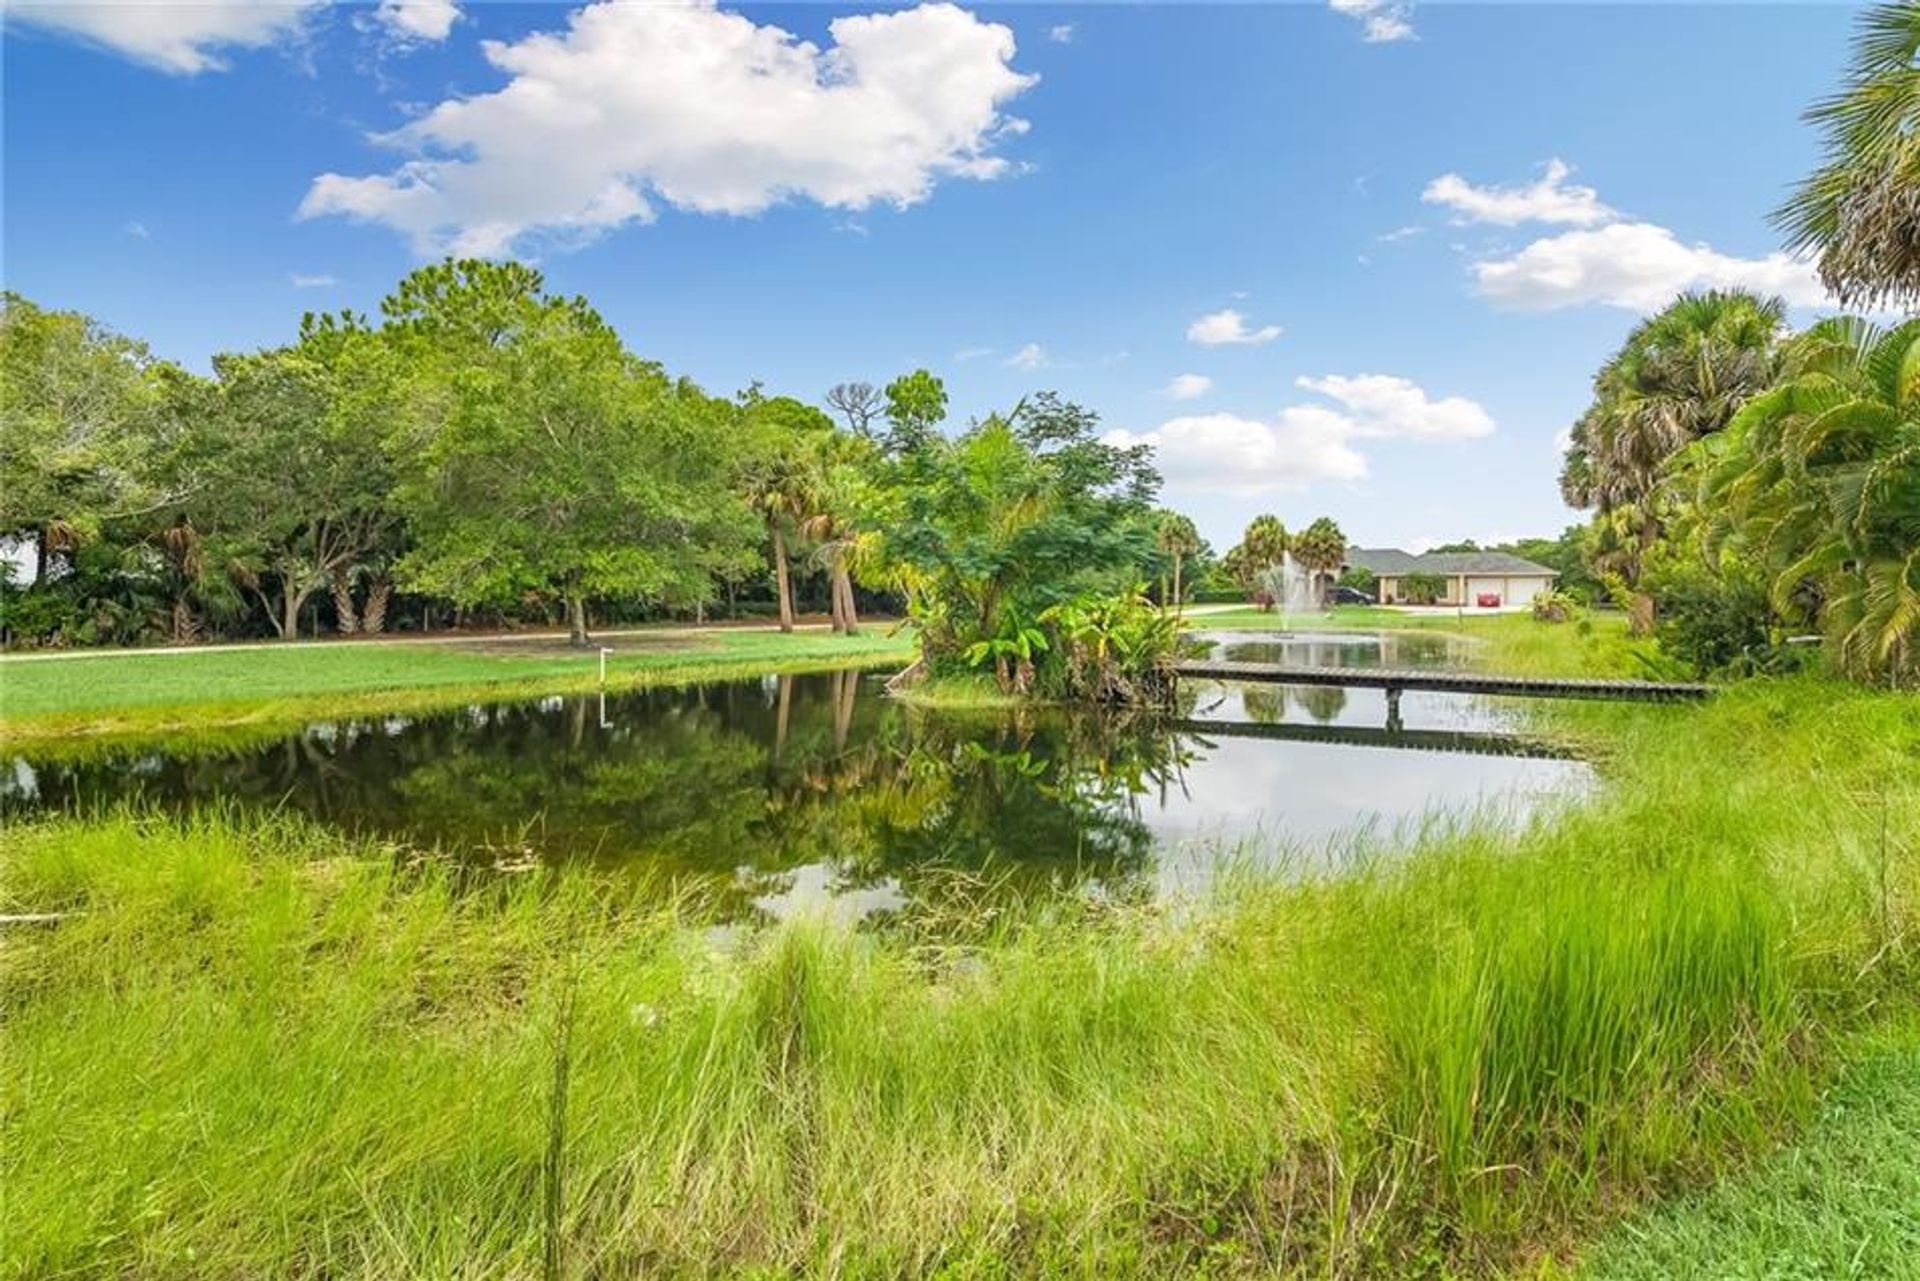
[777, 795]
[1410, 649]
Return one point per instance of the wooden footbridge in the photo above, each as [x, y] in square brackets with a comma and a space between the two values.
[1416, 740]
[1397, 680]
[1394, 680]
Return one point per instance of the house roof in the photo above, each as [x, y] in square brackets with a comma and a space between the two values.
[1393, 561]
[1382, 560]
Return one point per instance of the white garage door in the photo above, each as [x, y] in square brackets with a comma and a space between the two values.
[1477, 587]
[1521, 591]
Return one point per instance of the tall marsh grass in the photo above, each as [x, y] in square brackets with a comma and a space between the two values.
[254, 1048]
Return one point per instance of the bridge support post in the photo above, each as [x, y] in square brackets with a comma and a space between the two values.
[1394, 724]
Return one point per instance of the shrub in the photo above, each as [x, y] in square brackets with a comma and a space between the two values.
[1554, 607]
[1423, 589]
[1113, 649]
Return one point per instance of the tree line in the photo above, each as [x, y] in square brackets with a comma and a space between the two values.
[484, 450]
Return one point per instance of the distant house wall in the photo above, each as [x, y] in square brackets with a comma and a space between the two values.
[1465, 589]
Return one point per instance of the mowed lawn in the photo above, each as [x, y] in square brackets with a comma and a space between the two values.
[1843, 1202]
[132, 690]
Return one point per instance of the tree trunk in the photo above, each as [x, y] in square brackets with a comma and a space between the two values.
[577, 620]
[186, 628]
[846, 689]
[291, 602]
[1640, 615]
[782, 715]
[374, 617]
[781, 586]
[1176, 584]
[849, 610]
[345, 620]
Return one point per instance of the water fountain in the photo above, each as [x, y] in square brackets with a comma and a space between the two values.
[1291, 586]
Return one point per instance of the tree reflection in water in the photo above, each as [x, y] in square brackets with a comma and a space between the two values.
[725, 789]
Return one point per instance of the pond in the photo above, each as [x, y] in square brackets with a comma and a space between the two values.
[805, 791]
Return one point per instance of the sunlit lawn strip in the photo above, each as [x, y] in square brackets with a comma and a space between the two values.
[164, 693]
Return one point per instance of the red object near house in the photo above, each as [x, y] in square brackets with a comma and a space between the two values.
[1487, 600]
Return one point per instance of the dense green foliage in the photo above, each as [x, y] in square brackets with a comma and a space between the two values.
[1857, 212]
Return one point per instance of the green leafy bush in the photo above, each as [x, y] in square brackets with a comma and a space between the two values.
[1113, 649]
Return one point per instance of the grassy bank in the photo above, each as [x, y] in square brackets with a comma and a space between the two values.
[1842, 1202]
[1597, 645]
[157, 693]
[262, 1050]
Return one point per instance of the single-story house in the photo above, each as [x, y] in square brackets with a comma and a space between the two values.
[1470, 577]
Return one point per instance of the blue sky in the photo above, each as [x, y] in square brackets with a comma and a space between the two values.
[1449, 213]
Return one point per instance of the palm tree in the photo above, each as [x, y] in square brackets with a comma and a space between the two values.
[1819, 480]
[781, 486]
[1263, 546]
[1321, 549]
[838, 492]
[1681, 375]
[1860, 211]
[1177, 539]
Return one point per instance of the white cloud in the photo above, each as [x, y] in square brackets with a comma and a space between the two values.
[1382, 405]
[138, 230]
[972, 353]
[1229, 328]
[1639, 266]
[1228, 454]
[1547, 200]
[1635, 265]
[1303, 444]
[302, 280]
[185, 37]
[1381, 21]
[1187, 387]
[416, 21]
[1062, 34]
[1398, 234]
[1563, 440]
[706, 111]
[1031, 356]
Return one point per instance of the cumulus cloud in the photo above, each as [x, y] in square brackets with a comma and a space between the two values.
[418, 21]
[688, 106]
[185, 37]
[1228, 454]
[1381, 21]
[1187, 387]
[1607, 258]
[1304, 444]
[1382, 405]
[1031, 356]
[1229, 328]
[1550, 199]
[1635, 265]
[1062, 34]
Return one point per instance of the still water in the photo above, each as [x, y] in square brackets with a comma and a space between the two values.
[821, 792]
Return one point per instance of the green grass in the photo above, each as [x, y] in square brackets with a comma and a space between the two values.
[259, 1049]
[1843, 1203]
[1597, 645]
[187, 690]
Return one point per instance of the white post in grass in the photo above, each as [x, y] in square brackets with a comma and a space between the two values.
[604, 651]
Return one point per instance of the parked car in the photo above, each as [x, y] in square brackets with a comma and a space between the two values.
[1341, 595]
